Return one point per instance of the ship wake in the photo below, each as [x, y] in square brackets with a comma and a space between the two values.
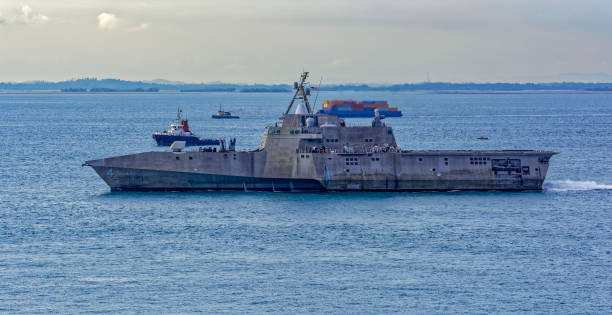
[569, 185]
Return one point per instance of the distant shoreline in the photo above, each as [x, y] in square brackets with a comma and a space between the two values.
[524, 92]
[103, 86]
[33, 92]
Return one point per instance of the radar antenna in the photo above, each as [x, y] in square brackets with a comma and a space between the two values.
[300, 93]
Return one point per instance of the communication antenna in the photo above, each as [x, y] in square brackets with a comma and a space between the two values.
[314, 107]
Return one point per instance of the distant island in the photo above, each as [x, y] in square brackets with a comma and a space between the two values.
[93, 85]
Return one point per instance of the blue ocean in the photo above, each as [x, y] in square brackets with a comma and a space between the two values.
[69, 245]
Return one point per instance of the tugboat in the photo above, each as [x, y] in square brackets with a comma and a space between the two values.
[179, 131]
[224, 115]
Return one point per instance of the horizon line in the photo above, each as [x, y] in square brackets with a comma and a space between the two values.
[174, 82]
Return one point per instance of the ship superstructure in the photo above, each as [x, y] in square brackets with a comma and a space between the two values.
[311, 151]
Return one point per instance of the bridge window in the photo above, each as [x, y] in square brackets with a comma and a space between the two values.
[351, 161]
[479, 160]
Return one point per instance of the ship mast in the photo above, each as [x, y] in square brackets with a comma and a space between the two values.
[300, 93]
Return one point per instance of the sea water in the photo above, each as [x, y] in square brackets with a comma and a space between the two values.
[69, 245]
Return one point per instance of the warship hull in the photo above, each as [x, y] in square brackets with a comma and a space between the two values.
[390, 171]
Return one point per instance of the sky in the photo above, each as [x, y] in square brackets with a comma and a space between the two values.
[272, 41]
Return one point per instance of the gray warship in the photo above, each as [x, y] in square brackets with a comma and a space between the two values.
[308, 151]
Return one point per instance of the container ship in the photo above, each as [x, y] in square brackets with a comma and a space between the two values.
[350, 108]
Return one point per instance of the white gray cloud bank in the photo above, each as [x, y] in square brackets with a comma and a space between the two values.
[109, 22]
[24, 15]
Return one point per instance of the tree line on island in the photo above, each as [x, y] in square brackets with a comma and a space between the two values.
[115, 85]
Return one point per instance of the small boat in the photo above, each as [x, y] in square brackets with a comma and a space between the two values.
[179, 131]
[482, 138]
[224, 115]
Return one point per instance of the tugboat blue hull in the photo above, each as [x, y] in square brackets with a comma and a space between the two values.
[167, 140]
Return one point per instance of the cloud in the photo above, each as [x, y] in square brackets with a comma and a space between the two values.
[25, 15]
[28, 16]
[141, 27]
[107, 21]
[110, 22]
